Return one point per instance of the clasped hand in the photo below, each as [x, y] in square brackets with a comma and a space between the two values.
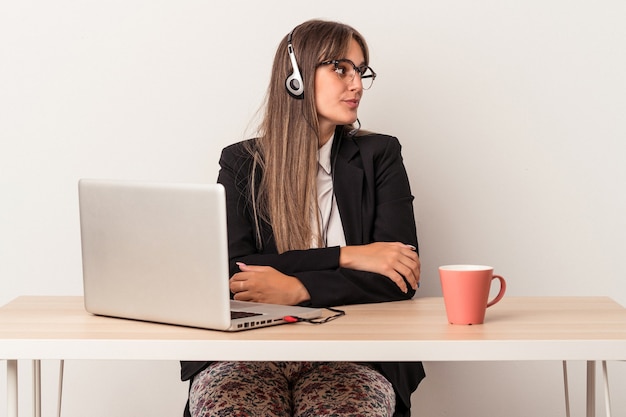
[264, 284]
[397, 261]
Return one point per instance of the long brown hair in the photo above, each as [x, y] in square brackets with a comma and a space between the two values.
[286, 150]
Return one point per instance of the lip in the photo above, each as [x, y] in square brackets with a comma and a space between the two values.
[352, 103]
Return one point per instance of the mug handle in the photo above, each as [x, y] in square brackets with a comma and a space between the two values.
[502, 290]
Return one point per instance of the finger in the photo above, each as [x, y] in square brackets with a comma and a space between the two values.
[410, 270]
[404, 246]
[243, 296]
[409, 274]
[251, 268]
[409, 259]
[239, 276]
[410, 253]
[237, 284]
[394, 276]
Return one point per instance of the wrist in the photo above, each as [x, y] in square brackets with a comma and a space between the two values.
[345, 256]
[302, 295]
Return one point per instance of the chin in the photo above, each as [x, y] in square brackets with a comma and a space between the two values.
[350, 120]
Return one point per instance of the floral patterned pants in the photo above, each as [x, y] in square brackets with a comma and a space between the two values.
[286, 389]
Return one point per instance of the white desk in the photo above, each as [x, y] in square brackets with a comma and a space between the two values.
[517, 329]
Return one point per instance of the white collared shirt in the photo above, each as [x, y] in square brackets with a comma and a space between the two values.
[331, 226]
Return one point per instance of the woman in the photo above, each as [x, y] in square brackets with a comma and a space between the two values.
[319, 214]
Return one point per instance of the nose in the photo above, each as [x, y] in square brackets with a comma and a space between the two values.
[356, 84]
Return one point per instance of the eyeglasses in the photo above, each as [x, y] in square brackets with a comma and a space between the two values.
[346, 70]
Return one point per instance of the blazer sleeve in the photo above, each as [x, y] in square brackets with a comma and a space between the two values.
[386, 213]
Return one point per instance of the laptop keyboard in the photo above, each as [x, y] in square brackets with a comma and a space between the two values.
[242, 314]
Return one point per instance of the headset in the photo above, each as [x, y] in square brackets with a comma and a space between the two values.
[294, 83]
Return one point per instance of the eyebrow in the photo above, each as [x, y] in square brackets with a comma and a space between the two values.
[358, 65]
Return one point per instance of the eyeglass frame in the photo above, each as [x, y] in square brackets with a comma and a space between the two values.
[357, 70]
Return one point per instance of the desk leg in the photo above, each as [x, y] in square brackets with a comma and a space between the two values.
[11, 388]
[591, 389]
[60, 394]
[566, 389]
[37, 388]
[607, 393]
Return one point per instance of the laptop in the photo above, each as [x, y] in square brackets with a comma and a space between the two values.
[159, 252]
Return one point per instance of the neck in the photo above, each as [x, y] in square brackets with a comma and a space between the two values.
[326, 135]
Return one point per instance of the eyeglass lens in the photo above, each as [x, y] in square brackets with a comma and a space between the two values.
[346, 70]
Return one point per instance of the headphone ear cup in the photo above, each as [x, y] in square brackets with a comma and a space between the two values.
[294, 85]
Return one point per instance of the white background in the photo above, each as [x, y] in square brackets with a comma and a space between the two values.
[511, 115]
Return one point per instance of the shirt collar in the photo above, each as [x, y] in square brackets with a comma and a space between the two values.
[323, 155]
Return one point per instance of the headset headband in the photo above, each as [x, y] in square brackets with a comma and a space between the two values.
[294, 83]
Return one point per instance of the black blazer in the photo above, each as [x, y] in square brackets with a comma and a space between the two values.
[375, 204]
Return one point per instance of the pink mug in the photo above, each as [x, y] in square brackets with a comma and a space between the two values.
[466, 292]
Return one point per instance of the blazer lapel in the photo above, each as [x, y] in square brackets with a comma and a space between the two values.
[348, 187]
